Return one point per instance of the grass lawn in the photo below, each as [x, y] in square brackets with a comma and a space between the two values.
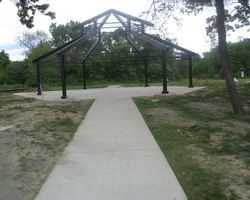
[207, 146]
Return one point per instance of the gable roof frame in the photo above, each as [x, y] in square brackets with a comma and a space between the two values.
[153, 40]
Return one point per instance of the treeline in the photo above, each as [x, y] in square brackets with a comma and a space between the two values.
[113, 60]
[209, 66]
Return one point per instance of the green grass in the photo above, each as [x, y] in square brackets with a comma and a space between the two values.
[188, 133]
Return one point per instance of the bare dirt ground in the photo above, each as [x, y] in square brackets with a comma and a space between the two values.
[33, 134]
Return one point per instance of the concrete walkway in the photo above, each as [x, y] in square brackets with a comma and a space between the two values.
[113, 155]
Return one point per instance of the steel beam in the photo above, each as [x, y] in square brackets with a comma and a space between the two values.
[82, 31]
[84, 76]
[169, 44]
[63, 74]
[131, 42]
[103, 21]
[53, 51]
[164, 72]
[190, 63]
[38, 75]
[132, 17]
[78, 26]
[77, 42]
[86, 57]
[142, 27]
[120, 20]
[92, 47]
[112, 11]
[146, 72]
[135, 46]
[149, 40]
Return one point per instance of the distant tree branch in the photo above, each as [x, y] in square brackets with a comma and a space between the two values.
[27, 9]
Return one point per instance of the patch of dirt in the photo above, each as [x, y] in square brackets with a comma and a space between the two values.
[37, 134]
[211, 108]
[235, 170]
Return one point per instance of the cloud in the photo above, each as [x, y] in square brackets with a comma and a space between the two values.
[10, 28]
[16, 54]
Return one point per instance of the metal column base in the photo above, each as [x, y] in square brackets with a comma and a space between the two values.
[165, 92]
[190, 86]
[63, 97]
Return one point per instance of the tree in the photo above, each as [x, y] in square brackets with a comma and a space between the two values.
[62, 34]
[4, 59]
[30, 40]
[239, 55]
[39, 50]
[240, 16]
[16, 73]
[224, 58]
[27, 10]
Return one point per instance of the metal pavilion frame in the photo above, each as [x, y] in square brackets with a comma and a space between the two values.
[96, 32]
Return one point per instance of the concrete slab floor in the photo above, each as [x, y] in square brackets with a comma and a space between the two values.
[113, 155]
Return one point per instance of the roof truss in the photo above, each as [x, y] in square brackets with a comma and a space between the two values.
[120, 16]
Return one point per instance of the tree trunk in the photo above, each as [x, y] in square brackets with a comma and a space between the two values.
[223, 53]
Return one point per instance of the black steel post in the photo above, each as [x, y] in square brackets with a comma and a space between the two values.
[190, 62]
[142, 28]
[164, 72]
[129, 23]
[82, 31]
[64, 95]
[38, 75]
[84, 76]
[95, 25]
[146, 72]
[143, 55]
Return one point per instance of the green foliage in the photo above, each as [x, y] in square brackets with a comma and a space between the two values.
[27, 10]
[62, 34]
[49, 73]
[210, 67]
[30, 40]
[4, 61]
[15, 73]
[239, 55]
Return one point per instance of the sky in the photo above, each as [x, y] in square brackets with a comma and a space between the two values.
[191, 36]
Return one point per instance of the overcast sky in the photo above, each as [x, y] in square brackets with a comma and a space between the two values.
[190, 36]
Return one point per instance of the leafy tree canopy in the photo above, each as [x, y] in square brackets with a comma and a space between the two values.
[4, 59]
[27, 10]
[30, 40]
[62, 34]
